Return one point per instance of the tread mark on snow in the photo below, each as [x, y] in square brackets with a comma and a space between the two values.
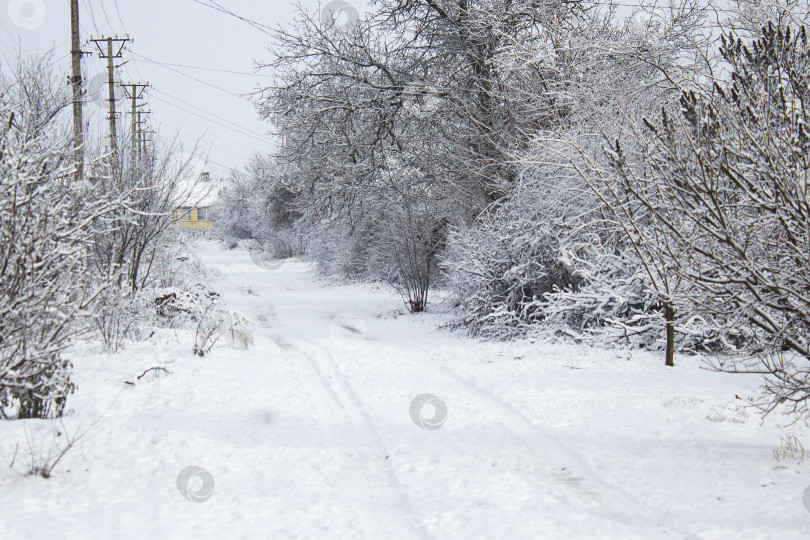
[523, 428]
[341, 392]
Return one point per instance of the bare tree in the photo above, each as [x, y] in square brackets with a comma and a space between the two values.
[448, 90]
[149, 187]
[46, 232]
[725, 190]
[554, 253]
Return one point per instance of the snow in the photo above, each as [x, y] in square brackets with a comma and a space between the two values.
[309, 434]
[198, 192]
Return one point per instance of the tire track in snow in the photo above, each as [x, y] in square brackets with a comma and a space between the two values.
[319, 366]
[267, 324]
[393, 515]
[332, 394]
[385, 482]
[325, 400]
[522, 428]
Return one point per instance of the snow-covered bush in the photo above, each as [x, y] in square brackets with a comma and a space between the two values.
[238, 335]
[210, 327]
[172, 298]
[174, 264]
[724, 190]
[47, 444]
[137, 234]
[613, 303]
[338, 249]
[501, 268]
[119, 314]
[260, 205]
[402, 248]
[198, 308]
[46, 231]
[214, 322]
[175, 307]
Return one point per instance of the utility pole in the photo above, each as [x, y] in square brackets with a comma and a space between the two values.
[76, 83]
[135, 93]
[146, 140]
[114, 48]
[142, 132]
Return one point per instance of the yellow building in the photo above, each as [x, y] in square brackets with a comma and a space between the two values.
[195, 199]
[193, 218]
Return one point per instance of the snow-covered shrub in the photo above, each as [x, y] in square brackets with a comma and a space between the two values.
[216, 322]
[613, 303]
[176, 307]
[47, 444]
[198, 308]
[239, 339]
[501, 268]
[119, 314]
[210, 327]
[46, 230]
[279, 246]
[174, 264]
[340, 250]
[403, 252]
[260, 205]
[549, 259]
[723, 188]
[132, 246]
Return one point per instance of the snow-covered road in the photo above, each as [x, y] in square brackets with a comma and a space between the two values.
[310, 434]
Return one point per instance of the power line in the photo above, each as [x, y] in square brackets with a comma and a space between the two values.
[178, 138]
[241, 130]
[121, 20]
[218, 70]
[89, 10]
[218, 7]
[124, 30]
[104, 10]
[192, 77]
[237, 129]
[92, 15]
[205, 133]
[206, 159]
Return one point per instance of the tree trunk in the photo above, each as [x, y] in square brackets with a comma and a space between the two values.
[669, 317]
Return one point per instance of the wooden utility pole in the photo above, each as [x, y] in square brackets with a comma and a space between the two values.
[141, 132]
[111, 85]
[135, 93]
[145, 134]
[76, 83]
[114, 48]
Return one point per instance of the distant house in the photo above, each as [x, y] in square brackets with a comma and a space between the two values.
[195, 198]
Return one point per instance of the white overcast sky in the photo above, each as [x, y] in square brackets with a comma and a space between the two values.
[180, 32]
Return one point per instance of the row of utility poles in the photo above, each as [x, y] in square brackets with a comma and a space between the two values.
[110, 49]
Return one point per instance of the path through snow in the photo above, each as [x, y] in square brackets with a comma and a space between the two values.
[309, 435]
